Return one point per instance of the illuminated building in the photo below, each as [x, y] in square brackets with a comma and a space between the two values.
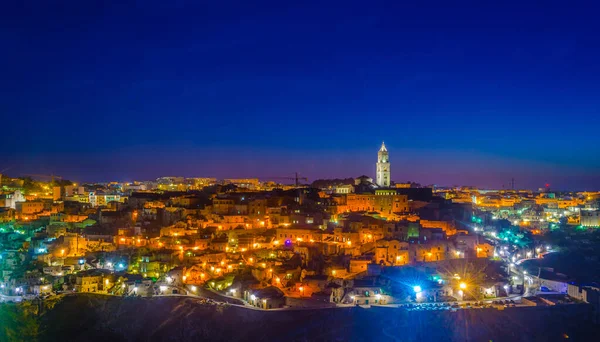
[97, 199]
[288, 236]
[386, 202]
[589, 218]
[383, 167]
[30, 207]
[10, 200]
[248, 183]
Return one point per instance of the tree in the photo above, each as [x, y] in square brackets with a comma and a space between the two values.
[18, 322]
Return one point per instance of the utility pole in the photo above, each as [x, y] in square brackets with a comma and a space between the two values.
[512, 183]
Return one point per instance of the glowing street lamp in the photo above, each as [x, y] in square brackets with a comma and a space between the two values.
[417, 289]
[462, 285]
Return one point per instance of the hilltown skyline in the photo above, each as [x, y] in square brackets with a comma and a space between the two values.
[504, 180]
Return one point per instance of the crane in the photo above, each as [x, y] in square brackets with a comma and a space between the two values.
[297, 178]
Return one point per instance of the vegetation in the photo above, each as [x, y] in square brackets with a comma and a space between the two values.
[18, 322]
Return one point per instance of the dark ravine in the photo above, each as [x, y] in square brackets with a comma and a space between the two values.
[103, 318]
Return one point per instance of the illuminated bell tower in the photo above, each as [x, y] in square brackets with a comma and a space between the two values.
[383, 167]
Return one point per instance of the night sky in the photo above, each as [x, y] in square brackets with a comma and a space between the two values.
[461, 93]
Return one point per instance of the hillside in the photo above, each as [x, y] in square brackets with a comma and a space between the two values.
[102, 318]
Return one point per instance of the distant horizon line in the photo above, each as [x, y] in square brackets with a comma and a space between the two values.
[262, 179]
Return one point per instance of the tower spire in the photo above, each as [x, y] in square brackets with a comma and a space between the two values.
[383, 167]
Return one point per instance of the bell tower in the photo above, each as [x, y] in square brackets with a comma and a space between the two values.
[383, 167]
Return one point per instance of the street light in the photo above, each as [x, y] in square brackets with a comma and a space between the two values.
[462, 285]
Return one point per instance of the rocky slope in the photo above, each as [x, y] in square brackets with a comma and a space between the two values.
[103, 318]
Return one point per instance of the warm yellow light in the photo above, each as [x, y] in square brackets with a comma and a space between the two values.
[276, 242]
[349, 243]
[333, 272]
[462, 285]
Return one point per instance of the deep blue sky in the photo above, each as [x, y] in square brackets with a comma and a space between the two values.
[462, 93]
